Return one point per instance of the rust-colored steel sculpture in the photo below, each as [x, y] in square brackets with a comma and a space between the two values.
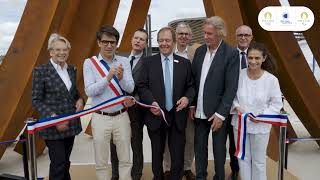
[311, 34]
[78, 20]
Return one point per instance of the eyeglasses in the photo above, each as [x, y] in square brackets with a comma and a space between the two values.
[183, 34]
[243, 35]
[106, 42]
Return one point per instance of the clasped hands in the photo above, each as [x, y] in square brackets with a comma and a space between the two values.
[115, 71]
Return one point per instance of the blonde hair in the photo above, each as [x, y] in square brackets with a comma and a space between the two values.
[57, 37]
[219, 24]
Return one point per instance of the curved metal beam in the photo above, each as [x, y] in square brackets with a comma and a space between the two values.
[136, 19]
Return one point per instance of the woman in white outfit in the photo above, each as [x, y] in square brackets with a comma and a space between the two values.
[258, 93]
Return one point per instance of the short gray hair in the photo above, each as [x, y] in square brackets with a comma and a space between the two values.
[182, 25]
[57, 37]
[219, 24]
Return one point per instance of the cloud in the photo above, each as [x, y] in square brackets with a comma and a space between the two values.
[10, 15]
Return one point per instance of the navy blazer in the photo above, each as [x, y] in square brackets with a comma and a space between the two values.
[221, 83]
[151, 88]
[50, 95]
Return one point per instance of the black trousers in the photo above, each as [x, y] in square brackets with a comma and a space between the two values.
[202, 130]
[59, 154]
[176, 142]
[136, 122]
[232, 146]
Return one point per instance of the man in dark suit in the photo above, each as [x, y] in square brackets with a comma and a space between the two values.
[138, 43]
[216, 71]
[54, 92]
[166, 82]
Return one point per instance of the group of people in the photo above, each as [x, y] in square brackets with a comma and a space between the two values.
[200, 90]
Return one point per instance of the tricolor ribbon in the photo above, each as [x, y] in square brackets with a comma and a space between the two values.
[43, 123]
[278, 120]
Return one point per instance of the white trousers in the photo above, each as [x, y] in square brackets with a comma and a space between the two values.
[103, 128]
[188, 149]
[254, 166]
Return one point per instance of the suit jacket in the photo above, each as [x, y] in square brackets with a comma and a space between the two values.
[221, 83]
[136, 112]
[50, 95]
[151, 88]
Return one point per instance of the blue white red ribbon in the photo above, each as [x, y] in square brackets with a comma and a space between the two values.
[103, 69]
[278, 120]
[52, 121]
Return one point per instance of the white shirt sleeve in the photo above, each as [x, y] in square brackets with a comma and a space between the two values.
[92, 87]
[275, 103]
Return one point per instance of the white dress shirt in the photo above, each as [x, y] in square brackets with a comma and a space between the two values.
[204, 72]
[136, 60]
[184, 53]
[63, 73]
[98, 88]
[260, 96]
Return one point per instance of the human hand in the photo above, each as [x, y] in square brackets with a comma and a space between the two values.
[182, 103]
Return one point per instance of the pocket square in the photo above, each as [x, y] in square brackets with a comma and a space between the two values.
[176, 61]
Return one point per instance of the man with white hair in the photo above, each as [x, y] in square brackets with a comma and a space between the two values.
[215, 68]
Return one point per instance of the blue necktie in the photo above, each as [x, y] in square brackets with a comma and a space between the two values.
[167, 84]
[243, 60]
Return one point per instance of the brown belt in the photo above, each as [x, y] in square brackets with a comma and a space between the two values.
[113, 113]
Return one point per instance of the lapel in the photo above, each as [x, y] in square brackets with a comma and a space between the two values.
[201, 59]
[56, 78]
[137, 66]
[175, 73]
[218, 57]
[159, 72]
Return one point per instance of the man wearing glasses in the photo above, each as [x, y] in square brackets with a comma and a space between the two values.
[114, 121]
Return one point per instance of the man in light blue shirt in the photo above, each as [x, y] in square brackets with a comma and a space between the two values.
[112, 122]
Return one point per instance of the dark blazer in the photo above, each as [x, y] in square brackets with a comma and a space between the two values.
[136, 73]
[151, 88]
[221, 83]
[50, 95]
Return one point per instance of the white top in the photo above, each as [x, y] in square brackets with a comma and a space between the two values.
[184, 53]
[204, 72]
[63, 73]
[261, 96]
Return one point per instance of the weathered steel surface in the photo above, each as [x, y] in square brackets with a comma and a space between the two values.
[296, 79]
[77, 20]
[230, 13]
[312, 34]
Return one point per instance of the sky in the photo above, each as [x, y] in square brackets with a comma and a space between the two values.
[11, 12]
[161, 13]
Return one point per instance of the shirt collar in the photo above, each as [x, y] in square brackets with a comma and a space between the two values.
[57, 66]
[215, 50]
[185, 51]
[113, 59]
[138, 56]
[170, 57]
[242, 51]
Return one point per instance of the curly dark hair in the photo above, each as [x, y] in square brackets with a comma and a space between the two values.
[269, 64]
